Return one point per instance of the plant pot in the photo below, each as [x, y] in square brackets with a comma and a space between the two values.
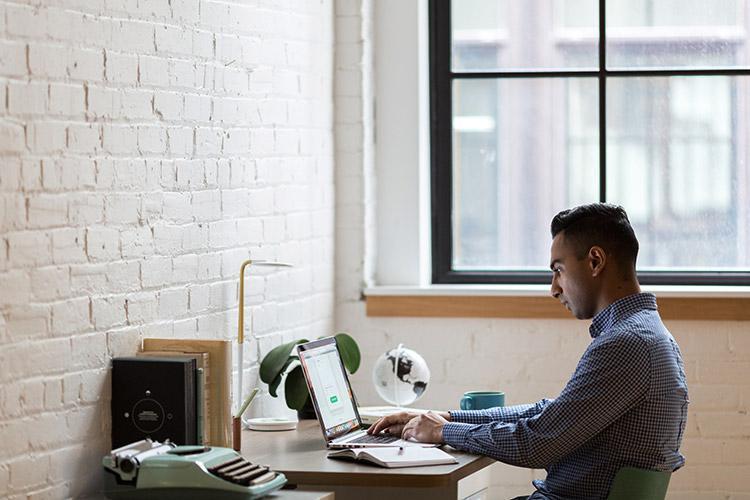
[307, 412]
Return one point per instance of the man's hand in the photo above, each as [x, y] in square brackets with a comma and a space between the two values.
[392, 424]
[425, 428]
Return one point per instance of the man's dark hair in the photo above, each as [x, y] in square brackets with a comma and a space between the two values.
[598, 224]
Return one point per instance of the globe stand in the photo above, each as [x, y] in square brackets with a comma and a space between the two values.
[396, 399]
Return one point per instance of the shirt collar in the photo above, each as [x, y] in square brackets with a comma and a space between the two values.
[619, 309]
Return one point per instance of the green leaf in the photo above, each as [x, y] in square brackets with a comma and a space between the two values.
[295, 389]
[273, 386]
[349, 350]
[273, 364]
[277, 360]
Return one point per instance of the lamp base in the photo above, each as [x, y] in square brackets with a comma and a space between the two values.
[271, 424]
[237, 434]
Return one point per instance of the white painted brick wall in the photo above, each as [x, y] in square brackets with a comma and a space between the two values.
[528, 359]
[146, 149]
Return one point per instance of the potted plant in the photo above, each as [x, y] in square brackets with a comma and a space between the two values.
[282, 361]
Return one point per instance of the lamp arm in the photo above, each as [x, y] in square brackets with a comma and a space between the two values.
[241, 318]
[241, 312]
[241, 331]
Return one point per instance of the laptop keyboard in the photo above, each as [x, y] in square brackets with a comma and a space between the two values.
[374, 439]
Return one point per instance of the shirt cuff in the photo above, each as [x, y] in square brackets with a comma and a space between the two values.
[475, 416]
[454, 434]
[465, 415]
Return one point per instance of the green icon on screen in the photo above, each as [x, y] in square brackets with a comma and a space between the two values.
[334, 399]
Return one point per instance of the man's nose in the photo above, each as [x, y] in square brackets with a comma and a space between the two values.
[555, 289]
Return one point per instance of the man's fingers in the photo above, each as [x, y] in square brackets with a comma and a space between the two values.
[377, 426]
[391, 421]
[407, 430]
[394, 429]
[382, 423]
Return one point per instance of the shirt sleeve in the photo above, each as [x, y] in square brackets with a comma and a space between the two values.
[501, 413]
[611, 378]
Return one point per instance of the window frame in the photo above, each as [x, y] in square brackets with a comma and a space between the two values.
[441, 78]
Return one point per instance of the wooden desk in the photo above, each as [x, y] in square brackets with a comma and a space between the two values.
[299, 495]
[276, 495]
[301, 456]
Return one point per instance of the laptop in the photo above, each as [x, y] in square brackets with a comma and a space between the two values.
[333, 399]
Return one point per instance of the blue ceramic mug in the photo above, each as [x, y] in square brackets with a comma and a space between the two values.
[479, 400]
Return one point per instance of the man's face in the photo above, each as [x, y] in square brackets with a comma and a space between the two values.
[572, 281]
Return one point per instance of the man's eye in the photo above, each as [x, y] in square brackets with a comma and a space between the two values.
[557, 270]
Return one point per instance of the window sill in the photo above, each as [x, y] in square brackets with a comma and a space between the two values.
[730, 303]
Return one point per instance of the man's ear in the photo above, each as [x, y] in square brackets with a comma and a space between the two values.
[597, 260]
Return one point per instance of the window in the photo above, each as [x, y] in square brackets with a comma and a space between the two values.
[540, 105]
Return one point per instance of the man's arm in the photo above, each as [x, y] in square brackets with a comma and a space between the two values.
[609, 380]
[394, 424]
[499, 414]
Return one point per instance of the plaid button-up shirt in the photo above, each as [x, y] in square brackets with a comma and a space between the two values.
[625, 405]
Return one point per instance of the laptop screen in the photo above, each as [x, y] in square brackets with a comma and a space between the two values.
[329, 387]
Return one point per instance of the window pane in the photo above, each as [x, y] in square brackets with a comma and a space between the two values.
[677, 156]
[531, 34]
[677, 33]
[523, 149]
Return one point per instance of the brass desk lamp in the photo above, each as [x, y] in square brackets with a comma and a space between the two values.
[241, 320]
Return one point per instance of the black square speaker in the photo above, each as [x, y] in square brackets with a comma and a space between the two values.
[154, 398]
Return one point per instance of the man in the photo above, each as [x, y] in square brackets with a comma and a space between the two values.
[625, 404]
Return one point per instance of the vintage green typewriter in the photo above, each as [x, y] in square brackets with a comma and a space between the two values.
[152, 470]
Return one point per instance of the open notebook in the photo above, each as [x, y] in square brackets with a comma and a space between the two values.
[408, 456]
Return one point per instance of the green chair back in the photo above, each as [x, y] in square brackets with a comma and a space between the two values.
[639, 484]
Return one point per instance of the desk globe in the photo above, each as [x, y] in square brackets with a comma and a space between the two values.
[400, 376]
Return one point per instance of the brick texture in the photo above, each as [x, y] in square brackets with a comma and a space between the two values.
[146, 149]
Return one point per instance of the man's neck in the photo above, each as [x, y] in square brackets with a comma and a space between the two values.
[617, 291]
